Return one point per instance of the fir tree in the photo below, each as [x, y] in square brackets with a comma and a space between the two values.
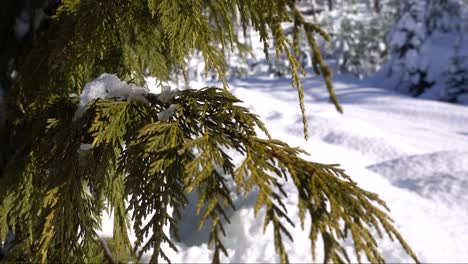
[444, 15]
[360, 46]
[133, 151]
[358, 31]
[407, 39]
[457, 81]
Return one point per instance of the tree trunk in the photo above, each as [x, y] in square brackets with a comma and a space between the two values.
[377, 6]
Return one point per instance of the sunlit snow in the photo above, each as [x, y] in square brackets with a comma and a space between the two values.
[412, 152]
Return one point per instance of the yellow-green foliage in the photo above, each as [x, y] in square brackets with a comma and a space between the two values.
[156, 163]
[53, 192]
[149, 37]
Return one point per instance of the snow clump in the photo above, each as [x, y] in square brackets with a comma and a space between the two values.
[167, 113]
[109, 86]
[166, 96]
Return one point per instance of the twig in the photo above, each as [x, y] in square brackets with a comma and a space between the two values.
[107, 252]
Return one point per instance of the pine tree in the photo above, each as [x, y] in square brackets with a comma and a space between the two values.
[133, 151]
[360, 45]
[457, 81]
[444, 15]
[358, 31]
[407, 39]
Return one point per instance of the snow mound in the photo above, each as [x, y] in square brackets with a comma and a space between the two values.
[439, 176]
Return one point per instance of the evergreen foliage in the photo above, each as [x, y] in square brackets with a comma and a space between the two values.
[359, 44]
[444, 15]
[457, 81]
[407, 39]
[138, 158]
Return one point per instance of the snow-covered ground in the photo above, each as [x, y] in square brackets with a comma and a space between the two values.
[412, 152]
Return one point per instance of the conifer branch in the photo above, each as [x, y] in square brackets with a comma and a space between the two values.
[165, 159]
[107, 251]
[146, 163]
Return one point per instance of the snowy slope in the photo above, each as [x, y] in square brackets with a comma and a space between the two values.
[412, 152]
